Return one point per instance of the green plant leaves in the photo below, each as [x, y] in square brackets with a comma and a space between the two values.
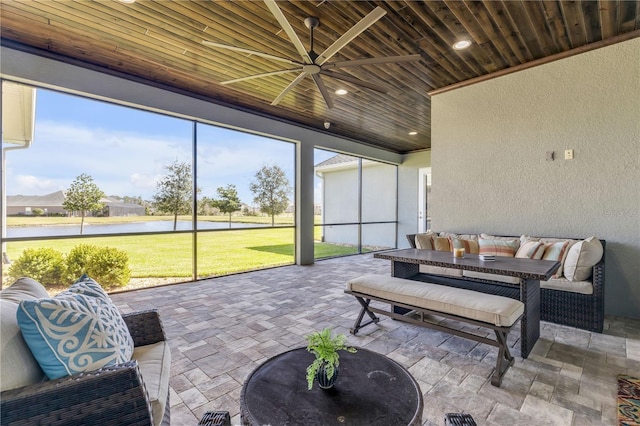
[325, 348]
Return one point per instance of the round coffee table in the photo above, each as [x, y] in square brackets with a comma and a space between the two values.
[371, 390]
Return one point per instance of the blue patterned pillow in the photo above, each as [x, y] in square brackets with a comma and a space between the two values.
[78, 330]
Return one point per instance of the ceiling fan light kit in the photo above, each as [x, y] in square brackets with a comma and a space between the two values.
[316, 65]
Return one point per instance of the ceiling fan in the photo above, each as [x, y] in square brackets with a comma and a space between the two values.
[313, 64]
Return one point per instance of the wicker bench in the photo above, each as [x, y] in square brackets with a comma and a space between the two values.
[485, 310]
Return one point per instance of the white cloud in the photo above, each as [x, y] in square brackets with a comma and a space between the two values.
[130, 162]
[29, 184]
[121, 163]
[142, 181]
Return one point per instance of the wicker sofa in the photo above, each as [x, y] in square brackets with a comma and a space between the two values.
[131, 393]
[579, 305]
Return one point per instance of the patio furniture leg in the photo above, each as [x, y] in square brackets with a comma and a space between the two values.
[215, 418]
[365, 309]
[505, 359]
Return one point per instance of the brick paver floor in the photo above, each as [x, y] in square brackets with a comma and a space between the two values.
[220, 329]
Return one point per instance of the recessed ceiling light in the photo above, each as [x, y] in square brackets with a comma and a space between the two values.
[127, 1]
[461, 44]
[413, 133]
[341, 92]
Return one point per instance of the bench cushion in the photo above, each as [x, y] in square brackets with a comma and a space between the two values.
[497, 310]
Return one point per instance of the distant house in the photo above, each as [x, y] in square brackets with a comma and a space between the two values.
[339, 201]
[51, 204]
[25, 204]
[113, 207]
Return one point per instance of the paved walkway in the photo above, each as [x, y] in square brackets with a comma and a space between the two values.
[221, 329]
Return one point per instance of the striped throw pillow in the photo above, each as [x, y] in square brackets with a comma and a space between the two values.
[556, 252]
[424, 241]
[469, 246]
[493, 247]
[531, 250]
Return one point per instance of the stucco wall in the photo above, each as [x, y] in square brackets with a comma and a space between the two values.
[489, 169]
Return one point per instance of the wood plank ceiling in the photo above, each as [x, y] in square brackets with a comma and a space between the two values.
[161, 42]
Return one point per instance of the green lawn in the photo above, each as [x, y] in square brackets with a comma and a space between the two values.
[219, 253]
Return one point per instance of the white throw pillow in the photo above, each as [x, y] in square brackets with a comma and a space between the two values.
[581, 258]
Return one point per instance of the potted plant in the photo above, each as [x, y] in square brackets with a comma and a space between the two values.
[325, 348]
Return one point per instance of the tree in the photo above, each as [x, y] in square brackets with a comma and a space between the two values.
[271, 190]
[83, 196]
[174, 192]
[204, 206]
[228, 201]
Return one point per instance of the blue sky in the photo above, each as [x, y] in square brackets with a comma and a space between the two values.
[125, 150]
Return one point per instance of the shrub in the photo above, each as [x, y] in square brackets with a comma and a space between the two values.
[109, 267]
[78, 259]
[37, 212]
[44, 265]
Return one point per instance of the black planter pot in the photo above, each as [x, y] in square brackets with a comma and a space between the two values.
[323, 381]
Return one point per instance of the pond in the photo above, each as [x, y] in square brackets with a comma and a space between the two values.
[120, 228]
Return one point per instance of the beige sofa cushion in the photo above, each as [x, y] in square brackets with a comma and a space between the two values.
[582, 256]
[154, 362]
[492, 277]
[18, 367]
[440, 270]
[488, 308]
[582, 287]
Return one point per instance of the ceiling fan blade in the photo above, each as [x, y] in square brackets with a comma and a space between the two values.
[353, 32]
[250, 52]
[287, 89]
[323, 90]
[372, 61]
[344, 77]
[286, 26]
[266, 74]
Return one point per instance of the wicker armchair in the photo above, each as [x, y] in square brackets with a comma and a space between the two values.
[114, 395]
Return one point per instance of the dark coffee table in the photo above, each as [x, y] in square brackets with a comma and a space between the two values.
[371, 390]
